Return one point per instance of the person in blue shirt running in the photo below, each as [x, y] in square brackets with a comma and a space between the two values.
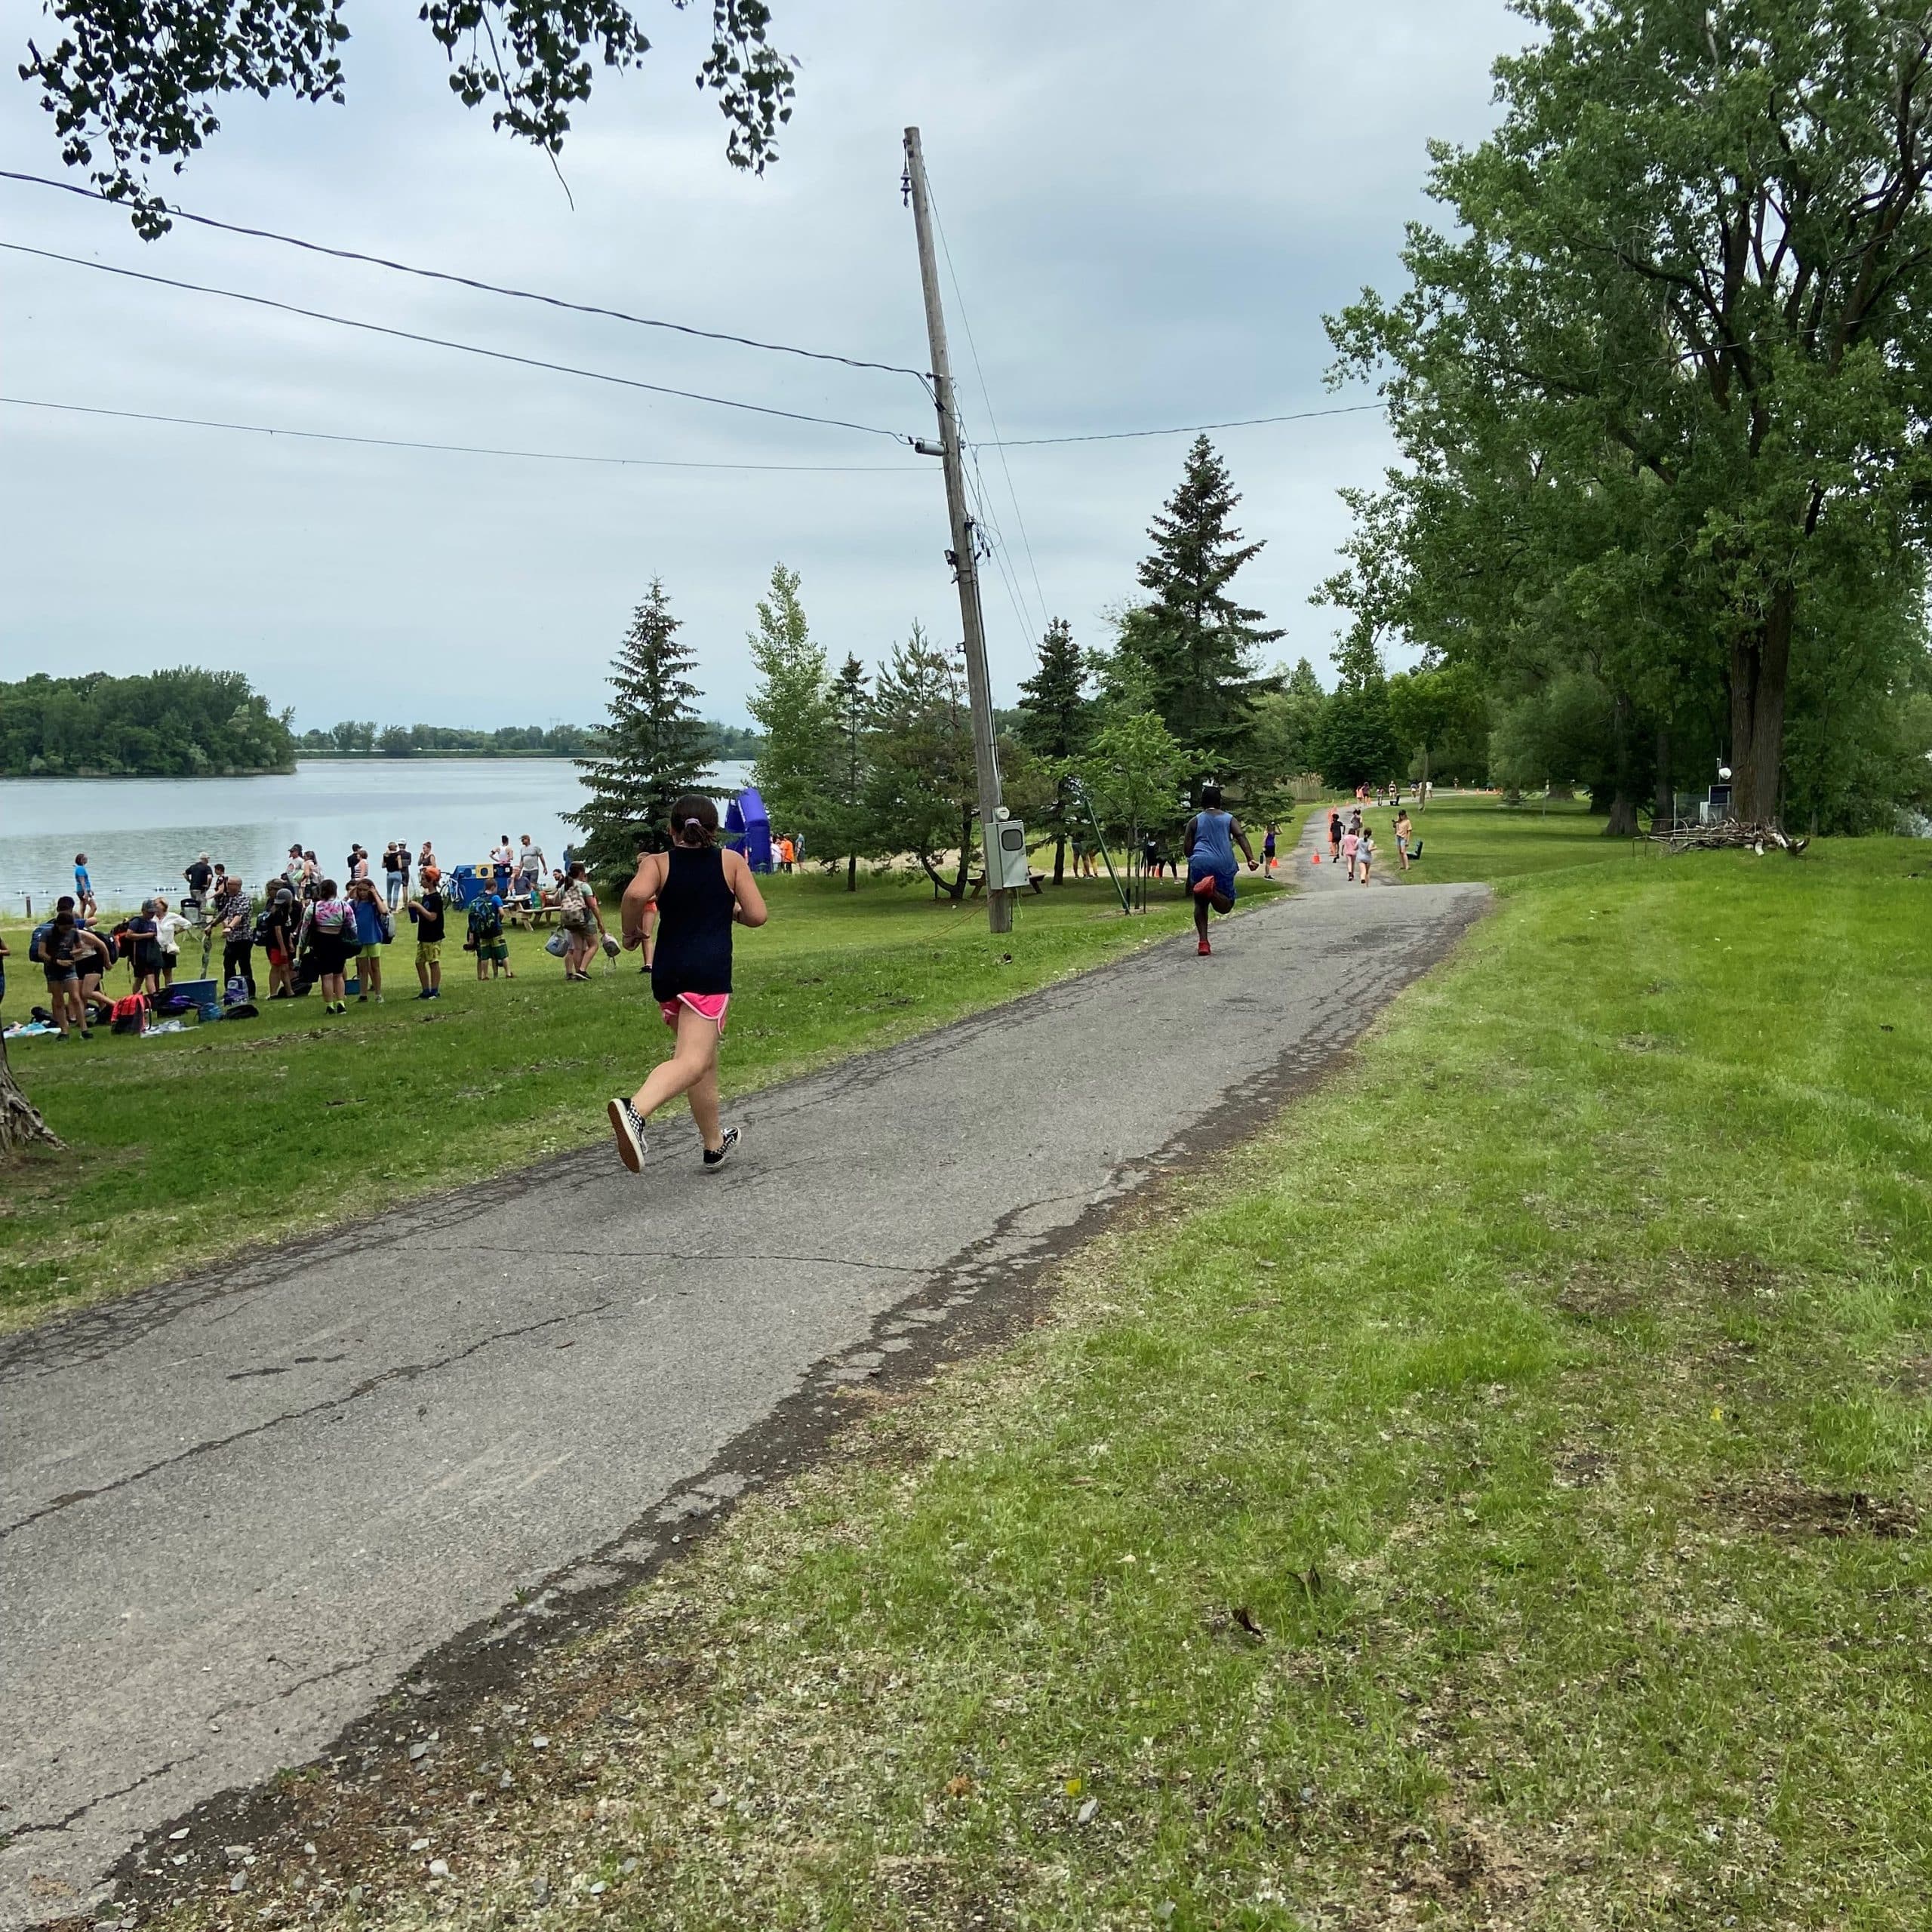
[1209, 841]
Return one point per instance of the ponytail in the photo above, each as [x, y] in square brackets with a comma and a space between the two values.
[693, 820]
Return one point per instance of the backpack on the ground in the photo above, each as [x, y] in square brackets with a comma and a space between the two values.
[130, 1014]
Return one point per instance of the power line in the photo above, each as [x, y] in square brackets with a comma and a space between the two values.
[469, 281]
[443, 342]
[1181, 429]
[458, 449]
[986, 396]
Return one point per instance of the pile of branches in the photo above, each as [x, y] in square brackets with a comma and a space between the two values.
[1726, 834]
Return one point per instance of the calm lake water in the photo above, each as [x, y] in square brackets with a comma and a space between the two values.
[138, 833]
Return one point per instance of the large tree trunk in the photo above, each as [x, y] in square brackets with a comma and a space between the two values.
[851, 871]
[1059, 859]
[958, 888]
[1623, 797]
[1760, 668]
[20, 1123]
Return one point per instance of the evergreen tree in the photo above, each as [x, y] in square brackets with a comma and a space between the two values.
[1055, 720]
[845, 832]
[921, 790]
[1196, 642]
[655, 747]
[793, 706]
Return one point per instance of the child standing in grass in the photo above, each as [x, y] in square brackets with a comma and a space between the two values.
[699, 892]
[486, 935]
[426, 915]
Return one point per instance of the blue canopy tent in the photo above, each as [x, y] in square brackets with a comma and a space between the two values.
[748, 829]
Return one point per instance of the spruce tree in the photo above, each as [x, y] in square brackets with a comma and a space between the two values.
[792, 705]
[845, 834]
[1197, 643]
[655, 747]
[1056, 719]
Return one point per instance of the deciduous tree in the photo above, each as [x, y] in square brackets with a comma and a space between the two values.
[792, 705]
[142, 78]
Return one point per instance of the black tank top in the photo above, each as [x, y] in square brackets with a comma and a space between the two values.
[692, 952]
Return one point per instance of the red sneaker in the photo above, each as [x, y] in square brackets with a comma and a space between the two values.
[1201, 887]
[1204, 949]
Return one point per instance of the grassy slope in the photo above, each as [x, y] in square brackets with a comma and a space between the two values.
[1517, 1389]
[200, 1142]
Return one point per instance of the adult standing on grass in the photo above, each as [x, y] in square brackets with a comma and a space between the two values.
[144, 939]
[427, 914]
[168, 927]
[393, 856]
[235, 914]
[1209, 842]
[199, 876]
[1404, 832]
[698, 892]
[84, 899]
[374, 929]
[530, 863]
[332, 927]
[502, 865]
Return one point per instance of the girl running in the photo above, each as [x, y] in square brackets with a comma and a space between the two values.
[1365, 853]
[1210, 838]
[1351, 844]
[698, 891]
[1334, 839]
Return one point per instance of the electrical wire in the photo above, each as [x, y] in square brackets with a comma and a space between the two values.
[470, 281]
[461, 449]
[1180, 429]
[986, 396]
[465, 348]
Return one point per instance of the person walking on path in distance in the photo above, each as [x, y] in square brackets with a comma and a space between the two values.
[1267, 850]
[699, 891]
[1209, 842]
[1365, 853]
[1334, 839]
[1350, 845]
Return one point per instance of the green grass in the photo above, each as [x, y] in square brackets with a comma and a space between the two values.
[1475, 1504]
[186, 1147]
[1480, 838]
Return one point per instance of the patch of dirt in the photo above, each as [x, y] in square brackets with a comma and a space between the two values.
[1736, 1277]
[1593, 1293]
[1578, 1467]
[1797, 1509]
[1910, 1378]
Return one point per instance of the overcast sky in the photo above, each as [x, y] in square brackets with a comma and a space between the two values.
[1148, 208]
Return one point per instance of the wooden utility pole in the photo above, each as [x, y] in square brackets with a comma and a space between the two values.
[965, 563]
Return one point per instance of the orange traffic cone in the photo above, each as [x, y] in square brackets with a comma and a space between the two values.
[1315, 858]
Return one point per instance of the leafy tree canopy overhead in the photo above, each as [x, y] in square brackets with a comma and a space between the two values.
[131, 84]
[1664, 382]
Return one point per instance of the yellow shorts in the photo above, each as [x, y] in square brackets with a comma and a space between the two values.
[428, 952]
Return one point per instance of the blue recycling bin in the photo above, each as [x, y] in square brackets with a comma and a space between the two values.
[468, 885]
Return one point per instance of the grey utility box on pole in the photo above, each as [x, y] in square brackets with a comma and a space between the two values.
[1008, 869]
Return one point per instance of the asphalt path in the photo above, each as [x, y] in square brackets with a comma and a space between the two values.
[235, 1511]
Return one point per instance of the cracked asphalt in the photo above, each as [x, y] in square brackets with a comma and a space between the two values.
[235, 1511]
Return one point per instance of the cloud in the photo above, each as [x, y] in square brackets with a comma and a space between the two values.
[1147, 209]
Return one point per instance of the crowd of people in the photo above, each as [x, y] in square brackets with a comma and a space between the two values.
[314, 931]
